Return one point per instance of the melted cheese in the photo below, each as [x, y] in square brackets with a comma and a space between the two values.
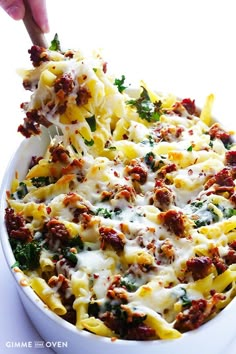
[131, 173]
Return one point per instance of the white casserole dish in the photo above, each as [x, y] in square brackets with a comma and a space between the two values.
[212, 337]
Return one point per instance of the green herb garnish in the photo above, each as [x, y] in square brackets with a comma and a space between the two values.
[55, 44]
[92, 123]
[146, 108]
[120, 84]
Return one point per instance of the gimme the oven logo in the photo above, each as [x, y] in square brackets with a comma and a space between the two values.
[36, 344]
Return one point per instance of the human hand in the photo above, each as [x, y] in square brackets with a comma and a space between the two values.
[16, 10]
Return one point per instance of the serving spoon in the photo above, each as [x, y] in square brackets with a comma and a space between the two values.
[36, 35]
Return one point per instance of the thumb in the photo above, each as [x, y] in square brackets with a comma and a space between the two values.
[14, 8]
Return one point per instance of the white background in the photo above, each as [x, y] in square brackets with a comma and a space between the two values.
[186, 47]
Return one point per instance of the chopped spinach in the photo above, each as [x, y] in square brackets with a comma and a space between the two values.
[146, 108]
[74, 148]
[203, 214]
[211, 144]
[150, 161]
[66, 252]
[129, 283]
[150, 141]
[115, 308]
[184, 298]
[89, 142]
[229, 212]
[104, 212]
[108, 214]
[190, 148]
[93, 309]
[15, 264]
[196, 205]
[26, 254]
[92, 123]
[76, 242]
[21, 190]
[228, 145]
[55, 44]
[41, 181]
[70, 256]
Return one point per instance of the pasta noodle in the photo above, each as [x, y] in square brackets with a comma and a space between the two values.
[47, 295]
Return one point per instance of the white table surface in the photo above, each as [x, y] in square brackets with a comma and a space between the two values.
[186, 47]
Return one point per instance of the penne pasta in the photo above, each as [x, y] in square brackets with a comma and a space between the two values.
[46, 293]
[125, 226]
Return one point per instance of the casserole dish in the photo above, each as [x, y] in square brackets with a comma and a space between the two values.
[211, 337]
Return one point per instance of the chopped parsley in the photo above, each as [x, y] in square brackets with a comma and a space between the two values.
[55, 44]
[146, 108]
[120, 84]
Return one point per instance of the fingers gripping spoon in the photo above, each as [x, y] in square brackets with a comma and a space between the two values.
[36, 35]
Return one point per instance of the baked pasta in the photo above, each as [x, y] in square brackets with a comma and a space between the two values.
[126, 226]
